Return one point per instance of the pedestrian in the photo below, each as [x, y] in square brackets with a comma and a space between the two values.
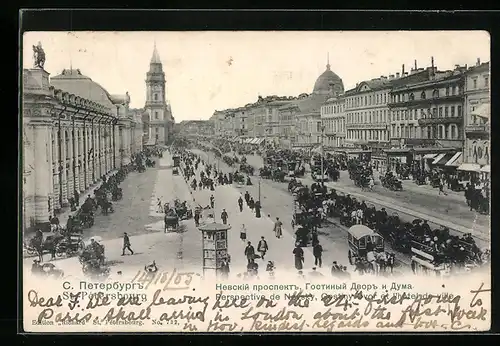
[251, 203]
[277, 228]
[441, 188]
[212, 201]
[240, 203]
[257, 209]
[318, 252]
[262, 247]
[126, 244]
[250, 252]
[225, 268]
[298, 254]
[247, 197]
[224, 216]
[243, 233]
[196, 218]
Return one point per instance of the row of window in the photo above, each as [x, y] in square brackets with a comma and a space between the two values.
[367, 117]
[403, 97]
[334, 125]
[367, 100]
[332, 109]
[367, 135]
[486, 82]
[428, 132]
[435, 112]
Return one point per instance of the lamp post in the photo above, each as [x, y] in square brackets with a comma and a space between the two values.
[260, 178]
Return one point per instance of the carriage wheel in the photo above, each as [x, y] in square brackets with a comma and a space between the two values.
[350, 256]
[60, 251]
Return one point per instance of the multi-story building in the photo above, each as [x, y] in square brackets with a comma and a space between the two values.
[367, 112]
[157, 107]
[427, 115]
[74, 132]
[477, 112]
[333, 121]
[196, 127]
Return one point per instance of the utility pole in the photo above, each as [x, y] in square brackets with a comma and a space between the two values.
[260, 178]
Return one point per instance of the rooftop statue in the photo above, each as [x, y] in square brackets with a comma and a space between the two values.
[38, 56]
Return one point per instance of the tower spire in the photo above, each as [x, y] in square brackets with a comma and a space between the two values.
[155, 59]
[328, 60]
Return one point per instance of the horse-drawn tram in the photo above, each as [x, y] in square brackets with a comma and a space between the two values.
[363, 240]
[426, 261]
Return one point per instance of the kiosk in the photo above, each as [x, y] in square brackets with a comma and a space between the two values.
[214, 247]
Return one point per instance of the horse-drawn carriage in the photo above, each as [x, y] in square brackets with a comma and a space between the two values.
[182, 210]
[39, 245]
[319, 176]
[116, 194]
[177, 160]
[171, 220]
[361, 241]
[391, 183]
[83, 219]
[246, 168]
[70, 245]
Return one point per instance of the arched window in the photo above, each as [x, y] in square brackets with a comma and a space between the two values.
[412, 97]
[155, 96]
[435, 93]
[422, 95]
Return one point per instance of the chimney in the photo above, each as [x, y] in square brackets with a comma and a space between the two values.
[478, 62]
[416, 64]
[406, 74]
[403, 70]
[391, 77]
[432, 63]
[397, 74]
[457, 67]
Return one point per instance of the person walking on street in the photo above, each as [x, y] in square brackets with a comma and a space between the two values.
[243, 233]
[250, 252]
[224, 216]
[240, 203]
[257, 209]
[277, 228]
[212, 201]
[441, 187]
[262, 247]
[318, 252]
[298, 254]
[126, 244]
[247, 197]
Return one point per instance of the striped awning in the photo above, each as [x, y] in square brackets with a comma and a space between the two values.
[429, 156]
[469, 167]
[455, 161]
[437, 159]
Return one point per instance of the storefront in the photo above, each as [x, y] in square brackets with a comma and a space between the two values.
[396, 156]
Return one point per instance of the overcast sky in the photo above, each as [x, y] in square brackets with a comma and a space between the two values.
[208, 71]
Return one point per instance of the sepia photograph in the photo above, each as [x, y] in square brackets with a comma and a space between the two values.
[255, 181]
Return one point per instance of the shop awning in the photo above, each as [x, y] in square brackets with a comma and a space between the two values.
[254, 141]
[260, 140]
[437, 159]
[248, 140]
[429, 156]
[485, 169]
[469, 167]
[455, 161]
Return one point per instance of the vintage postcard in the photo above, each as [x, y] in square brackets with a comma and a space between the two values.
[261, 182]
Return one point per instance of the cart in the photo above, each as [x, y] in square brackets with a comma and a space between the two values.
[177, 160]
[360, 239]
[171, 221]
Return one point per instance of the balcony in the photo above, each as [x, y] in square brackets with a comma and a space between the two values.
[440, 121]
[478, 129]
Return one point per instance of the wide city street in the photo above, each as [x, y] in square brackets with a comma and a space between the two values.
[137, 214]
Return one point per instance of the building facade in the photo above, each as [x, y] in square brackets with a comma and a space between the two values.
[367, 112]
[333, 121]
[477, 113]
[160, 122]
[74, 132]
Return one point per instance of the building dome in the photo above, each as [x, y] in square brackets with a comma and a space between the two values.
[74, 82]
[328, 83]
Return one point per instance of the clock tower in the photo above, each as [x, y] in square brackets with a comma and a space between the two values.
[156, 105]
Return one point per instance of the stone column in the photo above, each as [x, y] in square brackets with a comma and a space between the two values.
[71, 167]
[55, 172]
[64, 174]
[43, 171]
[81, 156]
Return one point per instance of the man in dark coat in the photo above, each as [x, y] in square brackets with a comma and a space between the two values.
[126, 244]
[250, 252]
[318, 252]
[262, 247]
[257, 209]
[240, 203]
[224, 216]
[299, 257]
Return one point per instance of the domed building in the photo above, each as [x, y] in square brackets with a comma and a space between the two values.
[306, 131]
[328, 83]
